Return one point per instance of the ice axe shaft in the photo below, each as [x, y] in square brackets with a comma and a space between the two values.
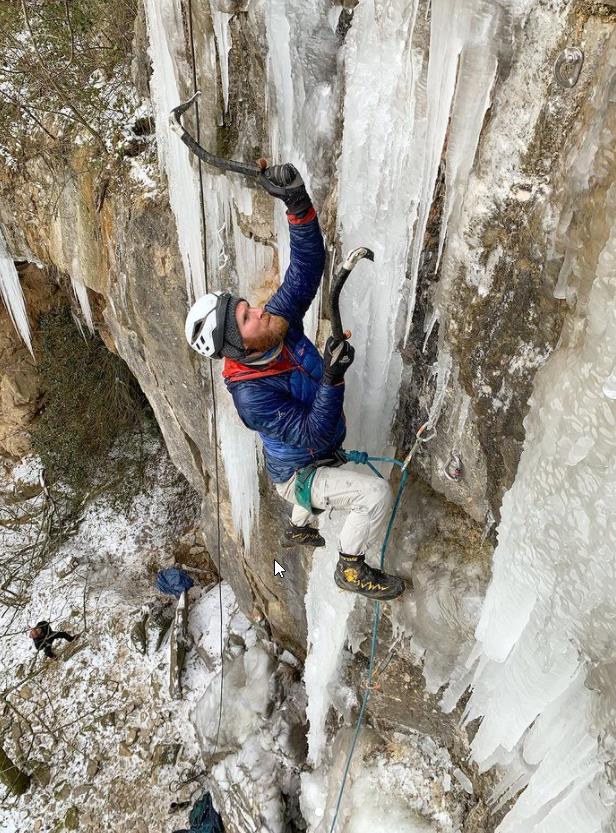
[175, 120]
[340, 276]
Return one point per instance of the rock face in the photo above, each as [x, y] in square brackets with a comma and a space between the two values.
[19, 388]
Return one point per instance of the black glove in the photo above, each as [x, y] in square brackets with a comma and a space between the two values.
[284, 182]
[338, 357]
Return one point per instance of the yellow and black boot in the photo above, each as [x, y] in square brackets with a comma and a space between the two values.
[352, 573]
[306, 536]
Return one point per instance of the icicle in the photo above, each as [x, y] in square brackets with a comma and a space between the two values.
[224, 43]
[13, 296]
[464, 45]
[81, 293]
[428, 328]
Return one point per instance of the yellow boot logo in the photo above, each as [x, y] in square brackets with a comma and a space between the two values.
[352, 576]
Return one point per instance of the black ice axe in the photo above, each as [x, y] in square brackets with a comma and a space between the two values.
[175, 121]
[340, 276]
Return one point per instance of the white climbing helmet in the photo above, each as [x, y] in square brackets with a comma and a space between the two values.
[205, 324]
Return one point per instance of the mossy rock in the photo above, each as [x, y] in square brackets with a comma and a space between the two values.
[138, 635]
[71, 819]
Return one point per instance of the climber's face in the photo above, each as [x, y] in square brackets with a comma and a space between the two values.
[260, 330]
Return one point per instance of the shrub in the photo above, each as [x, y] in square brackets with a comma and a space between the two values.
[64, 68]
[90, 401]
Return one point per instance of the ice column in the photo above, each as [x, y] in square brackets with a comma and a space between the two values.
[12, 294]
[166, 38]
[233, 260]
[379, 190]
[327, 612]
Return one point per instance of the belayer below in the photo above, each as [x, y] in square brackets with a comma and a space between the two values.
[283, 389]
[43, 636]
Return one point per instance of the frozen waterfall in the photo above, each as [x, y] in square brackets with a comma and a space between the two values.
[543, 641]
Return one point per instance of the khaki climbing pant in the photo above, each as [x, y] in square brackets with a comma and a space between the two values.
[366, 497]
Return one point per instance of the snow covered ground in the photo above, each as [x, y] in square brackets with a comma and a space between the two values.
[108, 739]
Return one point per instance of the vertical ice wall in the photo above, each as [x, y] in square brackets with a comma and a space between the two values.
[379, 188]
[396, 113]
[166, 40]
[12, 294]
[233, 260]
[544, 655]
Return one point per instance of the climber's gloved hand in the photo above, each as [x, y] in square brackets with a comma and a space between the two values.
[285, 183]
[338, 357]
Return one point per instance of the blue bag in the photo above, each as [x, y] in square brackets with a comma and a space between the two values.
[173, 582]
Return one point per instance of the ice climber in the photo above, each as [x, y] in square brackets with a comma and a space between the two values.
[283, 389]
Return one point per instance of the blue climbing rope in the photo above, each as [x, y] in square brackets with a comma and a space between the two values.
[363, 458]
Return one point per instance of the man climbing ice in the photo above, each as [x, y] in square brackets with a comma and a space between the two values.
[283, 389]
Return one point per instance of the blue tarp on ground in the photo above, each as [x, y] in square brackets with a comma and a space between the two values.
[204, 818]
[173, 582]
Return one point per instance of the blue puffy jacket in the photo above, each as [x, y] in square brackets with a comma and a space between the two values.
[299, 419]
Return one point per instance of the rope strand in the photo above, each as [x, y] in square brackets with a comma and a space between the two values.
[214, 404]
[361, 457]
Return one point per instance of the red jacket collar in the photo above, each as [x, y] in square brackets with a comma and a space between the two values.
[234, 371]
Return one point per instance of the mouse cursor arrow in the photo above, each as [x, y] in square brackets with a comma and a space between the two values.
[279, 570]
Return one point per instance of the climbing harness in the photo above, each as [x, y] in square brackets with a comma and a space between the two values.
[303, 488]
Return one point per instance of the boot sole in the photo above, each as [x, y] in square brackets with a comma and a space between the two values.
[382, 596]
[287, 545]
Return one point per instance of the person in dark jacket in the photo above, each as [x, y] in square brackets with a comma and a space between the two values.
[283, 389]
[43, 636]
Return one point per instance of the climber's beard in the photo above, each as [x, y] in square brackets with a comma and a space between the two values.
[273, 332]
